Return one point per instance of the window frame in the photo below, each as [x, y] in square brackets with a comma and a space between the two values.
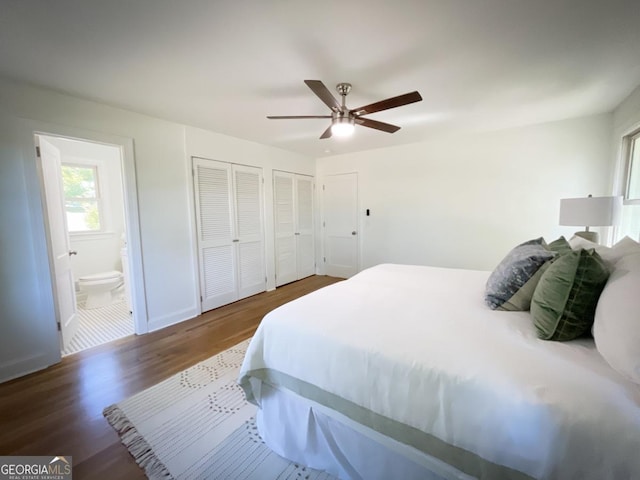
[630, 142]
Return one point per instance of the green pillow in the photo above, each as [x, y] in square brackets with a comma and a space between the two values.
[560, 246]
[565, 299]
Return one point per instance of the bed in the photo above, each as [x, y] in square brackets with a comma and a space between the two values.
[402, 371]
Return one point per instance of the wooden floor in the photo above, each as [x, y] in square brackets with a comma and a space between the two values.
[58, 411]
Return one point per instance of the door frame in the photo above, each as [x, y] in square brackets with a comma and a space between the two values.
[322, 214]
[131, 213]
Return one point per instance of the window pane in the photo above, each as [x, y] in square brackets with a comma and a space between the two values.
[629, 223]
[633, 190]
[82, 215]
[79, 182]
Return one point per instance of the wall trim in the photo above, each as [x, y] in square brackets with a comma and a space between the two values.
[173, 318]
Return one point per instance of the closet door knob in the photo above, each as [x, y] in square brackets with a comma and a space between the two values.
[72, 252]
[353, 233]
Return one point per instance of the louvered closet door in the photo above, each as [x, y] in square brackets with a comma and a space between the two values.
[215, 223]
[304, 226]
[249, 230]
[285, 238]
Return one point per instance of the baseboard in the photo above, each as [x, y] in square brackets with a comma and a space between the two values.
[23, 366]
[168, 320]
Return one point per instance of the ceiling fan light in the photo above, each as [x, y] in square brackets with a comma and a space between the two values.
[342, 127]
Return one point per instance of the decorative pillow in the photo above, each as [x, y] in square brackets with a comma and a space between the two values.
[564, 302]
[616, 328]
[560, 246]
[626, 246]
[610, 255]
[576, 243]
[511, 285]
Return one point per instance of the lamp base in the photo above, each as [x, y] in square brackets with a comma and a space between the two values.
[591, 236]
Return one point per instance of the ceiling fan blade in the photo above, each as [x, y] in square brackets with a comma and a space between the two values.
[326, 134]
[385, 127]
[285, 117]
[324, 94]
[393, 102]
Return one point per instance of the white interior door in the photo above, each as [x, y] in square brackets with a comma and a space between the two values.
[215, 224]
[305, 254]
[249, 238]
[285, 229]
[65, 293]
[340, 200]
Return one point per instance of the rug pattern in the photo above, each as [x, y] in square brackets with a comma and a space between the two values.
[197, 424]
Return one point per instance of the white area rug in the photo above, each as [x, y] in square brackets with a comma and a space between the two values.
[100, 325]
[198, 425]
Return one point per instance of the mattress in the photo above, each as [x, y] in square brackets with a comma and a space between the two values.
[412, 352]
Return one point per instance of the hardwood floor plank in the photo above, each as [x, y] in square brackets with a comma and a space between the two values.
[58, 411]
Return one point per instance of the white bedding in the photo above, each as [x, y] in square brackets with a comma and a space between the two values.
[472, 386]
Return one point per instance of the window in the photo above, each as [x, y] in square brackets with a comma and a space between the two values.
[632, 191]
[81, 198]
[630, 220]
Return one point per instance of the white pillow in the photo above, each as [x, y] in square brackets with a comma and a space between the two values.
[577, 242]
[626, 246]
[610, 255]
[616, 328]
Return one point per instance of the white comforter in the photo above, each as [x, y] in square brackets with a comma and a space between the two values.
[418, 345]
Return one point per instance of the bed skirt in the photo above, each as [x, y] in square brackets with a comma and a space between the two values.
[304, 431]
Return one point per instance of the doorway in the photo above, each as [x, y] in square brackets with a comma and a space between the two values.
[86, 216]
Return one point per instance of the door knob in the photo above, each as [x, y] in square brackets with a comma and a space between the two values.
[353, 233]
[72, 252]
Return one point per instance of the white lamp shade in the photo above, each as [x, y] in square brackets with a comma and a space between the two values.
[590, 211]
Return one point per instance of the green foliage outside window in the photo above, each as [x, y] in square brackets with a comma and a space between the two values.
[91, 217]
[81, 202]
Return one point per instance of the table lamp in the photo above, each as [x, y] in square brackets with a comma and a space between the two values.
[590, 212]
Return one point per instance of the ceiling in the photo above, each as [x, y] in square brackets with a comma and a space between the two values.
[225, 65]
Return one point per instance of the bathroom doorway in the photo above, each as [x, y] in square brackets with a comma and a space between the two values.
[86, 215]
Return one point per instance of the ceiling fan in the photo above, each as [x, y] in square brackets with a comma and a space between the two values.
[343, 119]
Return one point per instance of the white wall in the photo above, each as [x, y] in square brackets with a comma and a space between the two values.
[27, 321]
[626, 119]
[165, 205]
[465, 201]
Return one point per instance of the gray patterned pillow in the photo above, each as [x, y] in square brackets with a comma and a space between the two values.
[512, 283]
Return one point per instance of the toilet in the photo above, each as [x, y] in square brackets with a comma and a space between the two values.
[98, 288]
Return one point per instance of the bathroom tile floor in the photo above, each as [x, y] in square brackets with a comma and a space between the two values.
[100, 325]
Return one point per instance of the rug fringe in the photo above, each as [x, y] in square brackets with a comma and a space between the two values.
[136, 444]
